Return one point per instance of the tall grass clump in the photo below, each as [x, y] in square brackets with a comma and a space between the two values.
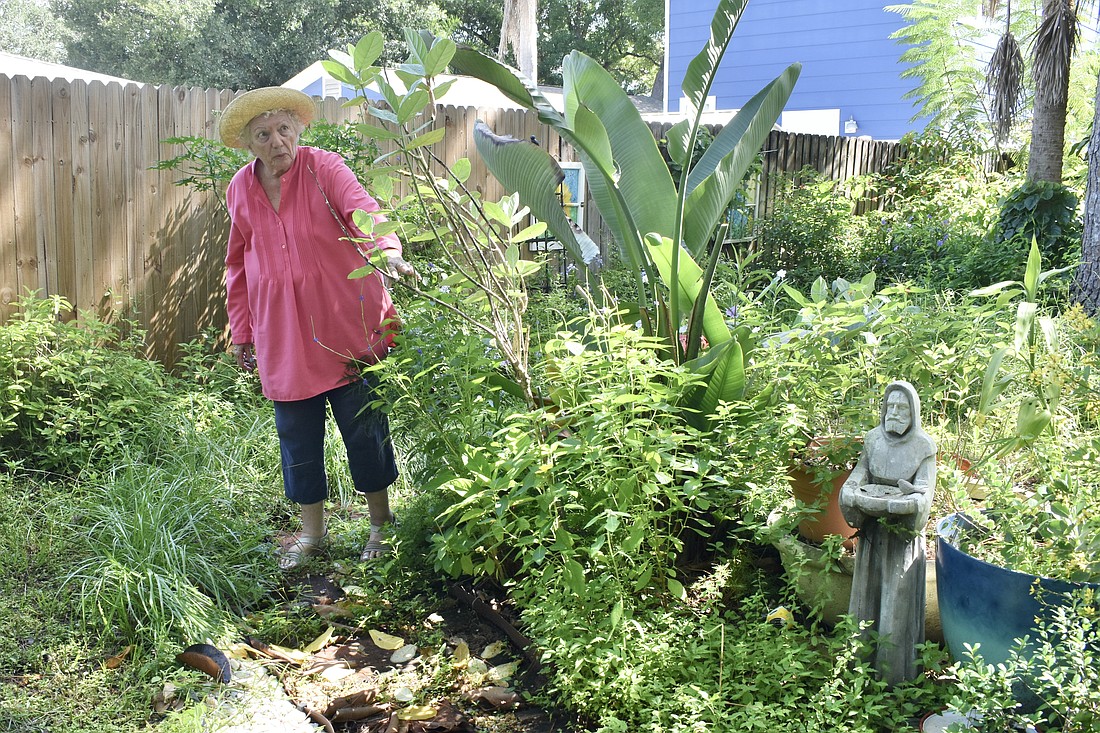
[165, 555]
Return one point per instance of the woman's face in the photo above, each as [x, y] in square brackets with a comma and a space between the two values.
[274, 140]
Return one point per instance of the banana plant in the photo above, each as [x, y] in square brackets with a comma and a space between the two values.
[662, 226]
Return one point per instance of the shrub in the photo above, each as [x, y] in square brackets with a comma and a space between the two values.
[1039, 210]
[806, 229]
[73, 393]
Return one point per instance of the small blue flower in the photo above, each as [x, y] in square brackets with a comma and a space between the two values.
[732, 312]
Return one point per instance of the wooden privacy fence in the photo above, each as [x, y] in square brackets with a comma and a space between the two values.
[84, 215]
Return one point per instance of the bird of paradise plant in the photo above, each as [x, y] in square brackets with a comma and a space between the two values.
[662, 226]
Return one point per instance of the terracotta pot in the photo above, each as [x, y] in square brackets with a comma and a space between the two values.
[810, 491]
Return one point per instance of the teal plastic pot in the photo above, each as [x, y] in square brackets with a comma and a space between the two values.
[982, 603]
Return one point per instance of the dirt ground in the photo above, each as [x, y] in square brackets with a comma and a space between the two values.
[363, 682]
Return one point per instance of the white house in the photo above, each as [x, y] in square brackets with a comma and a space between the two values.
[12, 65]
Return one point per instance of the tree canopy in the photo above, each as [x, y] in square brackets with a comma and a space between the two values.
[29, 28]
[625, 36]
[234, 44]
[239, 44]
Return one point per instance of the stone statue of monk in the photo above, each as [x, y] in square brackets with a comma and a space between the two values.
[889, 497]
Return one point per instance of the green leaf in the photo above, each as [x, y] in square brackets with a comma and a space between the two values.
[340, 72]
[428, 138]
[412, 105]
[383, 114]
[439, 90]
[528, 169]
[700, 72]
[368, 50]
[690, 277]
[677, 138]
[1031, 274]
[721, 170]
[417, 43]
[535, 230]
[644, 182]
[994, 288]
[461, 169]
[574, 576]
[616, 613]
[589, 126]
[1025, 320]
[378, 133]
[724, 367]
[676, 588]
[439, 57]
[991, 386]
[510, 82]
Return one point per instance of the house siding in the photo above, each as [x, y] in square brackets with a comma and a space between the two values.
[849, 62]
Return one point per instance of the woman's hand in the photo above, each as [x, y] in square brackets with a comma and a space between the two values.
[245, 356]
[397, 267]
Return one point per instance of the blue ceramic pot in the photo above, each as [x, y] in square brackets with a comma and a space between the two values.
[986, 604]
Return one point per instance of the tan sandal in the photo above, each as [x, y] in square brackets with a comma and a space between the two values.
[301, 549]
[377, 544]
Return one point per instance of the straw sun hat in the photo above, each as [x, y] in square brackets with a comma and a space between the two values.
[241, 110]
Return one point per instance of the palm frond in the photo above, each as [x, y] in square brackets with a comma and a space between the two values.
[1004, 82]
[1052, 52]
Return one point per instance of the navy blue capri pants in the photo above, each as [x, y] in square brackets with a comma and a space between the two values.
[366, 433]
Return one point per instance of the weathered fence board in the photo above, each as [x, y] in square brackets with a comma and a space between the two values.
[83, 214]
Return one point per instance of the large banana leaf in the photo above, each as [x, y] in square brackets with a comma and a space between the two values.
[701, 70]
[720, 171]
[643, 177]
[509, 81]
[723, 368]
[528, 169]
[690, 277]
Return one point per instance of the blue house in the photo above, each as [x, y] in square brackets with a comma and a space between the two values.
[851, 78]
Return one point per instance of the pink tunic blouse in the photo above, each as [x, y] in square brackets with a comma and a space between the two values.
[287, 286]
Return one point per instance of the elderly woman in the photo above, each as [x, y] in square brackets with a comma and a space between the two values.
[296, 317]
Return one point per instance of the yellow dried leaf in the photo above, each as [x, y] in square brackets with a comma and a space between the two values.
[462, 652]
[320, 642]
[335, 673]
[386, 641]
[503, 671]
[417, 712]
[493, 649]
[289, 654]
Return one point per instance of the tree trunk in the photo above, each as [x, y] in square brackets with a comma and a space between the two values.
[1048, 122]
[1086, 283]
[519, 31]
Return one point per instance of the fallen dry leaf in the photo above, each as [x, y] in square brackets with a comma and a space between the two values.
[116, 661]
[359, 698]
[385, 641]
[417, 712]
[503, 671]
[493, 649]
[320, 642]
[497, 697]
[404, 654]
